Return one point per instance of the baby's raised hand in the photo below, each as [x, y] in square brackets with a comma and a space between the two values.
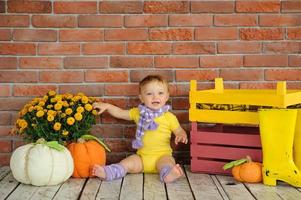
[100, 107]
[181, 136]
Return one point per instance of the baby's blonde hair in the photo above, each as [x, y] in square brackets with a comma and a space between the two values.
[151, 78]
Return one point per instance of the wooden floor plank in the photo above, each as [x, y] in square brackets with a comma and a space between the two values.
[179, 189]
[4, 170]
[287, 192]
[219, 187]
[91, 189]
[262, 192]
[153, 187]
[109, 190]
[234, 190]
[203, 186]
[23, 192]
[45, 192]
[132, 187]
[71, 189]
[7, 185]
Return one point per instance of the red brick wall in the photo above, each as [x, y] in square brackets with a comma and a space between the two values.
[103, 48]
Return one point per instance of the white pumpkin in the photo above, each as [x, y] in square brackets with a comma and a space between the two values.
[39, 165]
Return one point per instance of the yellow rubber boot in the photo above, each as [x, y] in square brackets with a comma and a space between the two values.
[297, 141]
[277, 129]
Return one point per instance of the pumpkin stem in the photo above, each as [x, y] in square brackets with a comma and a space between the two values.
[40, 141]
[81, 140]
[249, 159]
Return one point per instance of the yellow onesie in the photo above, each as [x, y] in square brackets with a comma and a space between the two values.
[156, 143]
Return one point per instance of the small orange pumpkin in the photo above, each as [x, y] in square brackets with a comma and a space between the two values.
[245, 170]
[87, 152]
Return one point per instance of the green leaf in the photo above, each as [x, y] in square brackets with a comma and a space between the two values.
[92, 137]
[55, 145]
[239, 162]
[228, 165]
[234, 163]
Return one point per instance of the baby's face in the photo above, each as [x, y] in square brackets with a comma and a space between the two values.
[154, 95]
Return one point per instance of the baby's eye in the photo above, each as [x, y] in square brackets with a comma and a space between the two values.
[148, 93]
[161, 93]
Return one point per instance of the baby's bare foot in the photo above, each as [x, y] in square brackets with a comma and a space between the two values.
[175, 173]
[99, 171]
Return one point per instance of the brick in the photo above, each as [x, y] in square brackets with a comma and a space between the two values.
[166, 7]
[18, 77]
[5, 130]
[256, 85]
[131, 62]
[138, 75]
[221, 61]
[212, 7]
[283, 75]
[100, 21]
[5, 34]
[216, 33]
[2, 9]
[145, 20]
[121, 7]
[190, 20]
[148, 48]
[280, 20]
[81, 35]
[106, 76]
[272, 6]
[235, 20]
[180, 103]
[14, 21]
[61, 76]
[239, 47]
[13, 104]
[294, 61]
[5, 146]
[17, 49]
[176, 62]
[5, 159]
[59, 49]
[187, 75]
[8, 63]
[290, 6]
[193, 48]
[54, 21]
[294, 33]
[40, 62]
[118, 145]
[107, 131]
[282, 47]
[242, 74]
[103, 48]
[89, 90]
[4, 90]
[122, 90]
[75, 7]
[265, 60]
[34, 35]
[25, 6]
[32, 90]
[179, 89]
[129, 132]
[126, 34]
[85, 62]
[171, 34]
[262, 33]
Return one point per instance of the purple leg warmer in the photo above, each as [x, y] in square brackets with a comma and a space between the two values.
[163, 172]
[114, 171]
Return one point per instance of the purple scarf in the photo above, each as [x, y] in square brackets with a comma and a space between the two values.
[146, 122]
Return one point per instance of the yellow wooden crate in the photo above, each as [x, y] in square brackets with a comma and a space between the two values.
[278, 98]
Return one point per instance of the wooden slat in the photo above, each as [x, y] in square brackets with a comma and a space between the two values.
[287, 192]
[224, 152]
[208, 166]
[24, 191]
[203, 186]
[4, 170]
[7, 184]
[153, 187]
[235, 190]
[132, 187]
[45, 192]
[91, 189]
[109, 190]
[233, 139]
[263, 192]
[179, 190]
[219, 187]
[71, 189]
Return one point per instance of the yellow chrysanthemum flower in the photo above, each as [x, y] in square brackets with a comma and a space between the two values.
[57, 126]
[85, 99]
[65, 133]
[68, 111]
[45, 97]
[49, 106]
[58, 106]
[68, 96]
[88, 107]
[51, 112]
[30, 109]
[71, 103]
[94, 112]
[41, 103]
[70, 121]
[53, 100]
[65, 104]
[40, 113]
[80, 109]
[38, 108]
[50, 118]
[51, 93]
[63, 115]
[78, 116]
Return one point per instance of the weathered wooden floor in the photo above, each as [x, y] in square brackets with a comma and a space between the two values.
[146, 186]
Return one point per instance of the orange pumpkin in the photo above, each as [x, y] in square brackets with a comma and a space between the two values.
[86, 154]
